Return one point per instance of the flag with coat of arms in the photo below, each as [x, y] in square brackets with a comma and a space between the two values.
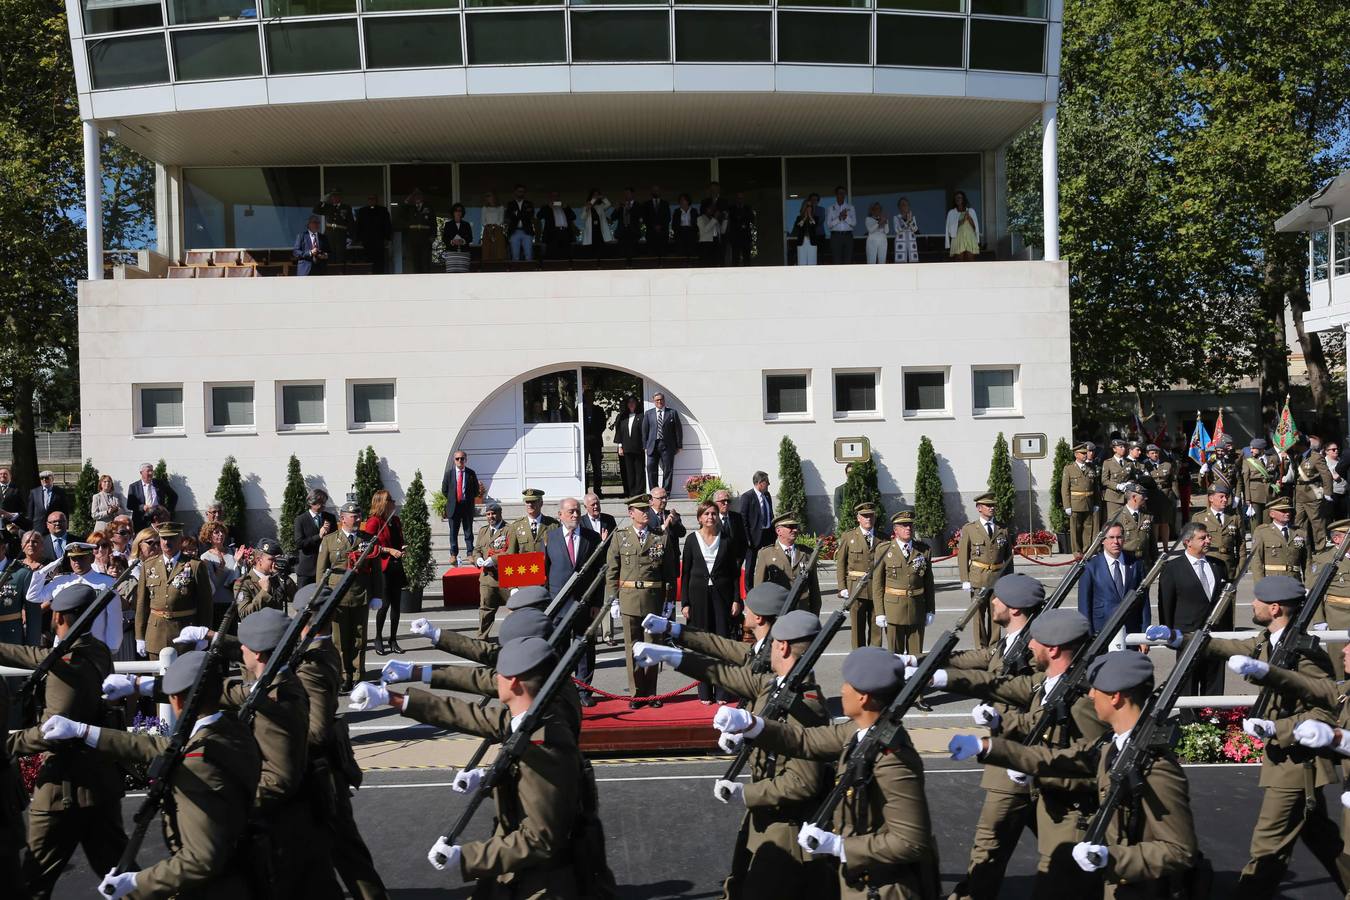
[1286, 432]
[1200, 442]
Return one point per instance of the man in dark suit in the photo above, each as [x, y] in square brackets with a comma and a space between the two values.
[459, 484]
[566, 549]
[557, 227]
[1187, 590]
[147, 493]
[656, 222]
[46, 498]
[628, 435]
[56, 538]
[627, 220]
[731, 523]
[1107, 578]
[311, 249]
[518, 221]
[310, 528]
[740, 227]
[602, 523]
[11, 509]
[593, 423]
[756, 509]
[662, 438]
[374, 229]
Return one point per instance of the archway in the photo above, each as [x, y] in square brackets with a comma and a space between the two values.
[531, 433]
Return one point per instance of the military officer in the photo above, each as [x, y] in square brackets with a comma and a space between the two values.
[1261, 474]
[1138, 524]
[1115, 474]
[1222, 468]
[640, 579]
[905, 584]
[983, 553]
[339, 224]
[1277, 549]
[261, 588]
[1162, 478]
[490, 542]
[1078, 493]
[419, 230]
[337, 551]
[77, 799]
[854, 558]
[1336, 603]
[1228, 542]
[173, 592]
[781, 561]
[529, 533]
[1312, 493]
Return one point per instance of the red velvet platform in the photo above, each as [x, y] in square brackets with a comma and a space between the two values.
[682, 723]
[459, 587]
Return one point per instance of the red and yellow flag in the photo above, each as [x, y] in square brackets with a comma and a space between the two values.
[520, 569]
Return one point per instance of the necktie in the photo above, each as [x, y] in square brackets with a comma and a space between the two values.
[788, 551]
[318, 521]
[642, 535]
[1284, 532]
[351, 539]
[764, 509]
[1219, 516]
[1118, 575]
[989, 528]
[870, 538]
[571, 547]
[459, 484]
[1135, 513]
[47, 498]
[534, 528]
[59, 545]
[1202, 572]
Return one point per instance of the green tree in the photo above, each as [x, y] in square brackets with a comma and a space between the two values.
[367, 480]
[292, 504]
[791, 486]
[230, 496]
[1001, 481]
[81, 523]
[930, 512]
[161, 472]
[1059, 522]
[861, 487]
[418, 564]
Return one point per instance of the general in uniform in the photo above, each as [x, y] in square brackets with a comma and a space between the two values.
[336, 554]
[905, 584]
[261, 588]
[782, 561]
[1277, 549]
[529, 533]
[853, 559]
[339, 224]
[173, 592]
[490, 542]
[1336, 602]
[1261, 474]
[984, 553]
[1312, 494]
[1138, 524]
[1227, 538]
[419, 230]
[1078, 493]
[641, 569]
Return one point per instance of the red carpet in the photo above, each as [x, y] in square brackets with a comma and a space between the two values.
[682, 723]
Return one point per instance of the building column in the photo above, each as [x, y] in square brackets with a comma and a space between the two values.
[1050, 179]
[168, 195]
[93, 200]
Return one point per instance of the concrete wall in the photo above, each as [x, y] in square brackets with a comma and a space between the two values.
[452, 342]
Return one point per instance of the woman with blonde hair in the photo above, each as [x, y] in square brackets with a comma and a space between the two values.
[963, 229]
[222, 570]
[30, 560]
[105, 505]
[389, 580]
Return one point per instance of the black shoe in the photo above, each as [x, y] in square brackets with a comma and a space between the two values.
[656, 704]
[347, 686]
[635, 704]
[587, 700]
[380, 648]
[923, 705]
[394, 647]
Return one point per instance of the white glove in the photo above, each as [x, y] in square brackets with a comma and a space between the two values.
[1245, 665]
[730, 743]
[881, 621]
[193, 634]
[964, 746]
[1312, 733]
[939, 679]
[1204, 468]
[986, 715]
[1261, 729]
[397, 670]
[59, 728]
[119, 687]
[114, 886]
[1121, 485]
[648, 655]
[1016, 777]
[907, 659]
[424, 628]
[730, 720]
[1068, 510]
[1345, 799]
[376, 604]
[1319, 626]
[1084, 853]
[827, 842]
[490, 562]
[843, 595]
[726, 791]
[140, 649]
[467, 781]
[927, 620]
[368, 695]
[480, 562]
[614, 609]
[654, 624]
[1251, 510]
[442, 855]
[965, 585]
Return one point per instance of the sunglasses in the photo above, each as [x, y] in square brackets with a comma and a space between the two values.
[459, 459]
[123, 531]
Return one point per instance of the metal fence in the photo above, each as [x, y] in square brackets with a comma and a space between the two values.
[52, 446]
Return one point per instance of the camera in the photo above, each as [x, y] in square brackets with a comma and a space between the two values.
[284, 565]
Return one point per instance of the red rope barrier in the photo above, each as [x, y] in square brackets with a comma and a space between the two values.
[1067, 562]
[608, 696]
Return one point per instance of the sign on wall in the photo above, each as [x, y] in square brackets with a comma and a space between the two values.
[1029, 446]
[852, 449]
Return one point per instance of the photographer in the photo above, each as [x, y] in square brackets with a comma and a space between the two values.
[267, 583]
[596, 231]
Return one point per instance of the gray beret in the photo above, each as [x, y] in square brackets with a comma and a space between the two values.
[183, 672]
[795, 626]
[492, 506]
[534, 595]
[524, 655]
[77, 596]
[1057, 627]
[305, 595]
[1281, 589]
[261, 631]
[766, 599]
[523, 623]
[1019, 591]
[1120, 670]
[872, 669]
[1259, 444]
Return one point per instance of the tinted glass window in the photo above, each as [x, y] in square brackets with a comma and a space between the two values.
[824, 37]
[124, 62]
[785, 394]
[1007, 46]
[535, 37]
[408, 41]
[312, 47]
[216, 53]
[604, 36]
[920, 41]
[716, 36]
[185, 12]
[120, 15]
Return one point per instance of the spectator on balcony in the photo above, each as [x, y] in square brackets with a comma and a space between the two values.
[906, 234]
[493, 238]
[558, 227]
[878, 226]
[627, 221]
[456, 236]
[374, 230]
[338, 224]
[840, 219]
[963, 229]
[311, 250]
[419, 231]
[105, 505]
[713, 197]
[709, 234]
[684, 226]
[520, 225]
[738, 231]
[807, 232]
[656, 223]
[595, 228]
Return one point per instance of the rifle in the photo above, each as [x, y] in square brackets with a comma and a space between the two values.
[84, 623]
[1018, 655]
[886, 731]
[1153, 731]
[162, 769]
[759, 663]
[513, 747]
[1074, 682]
[595, 559]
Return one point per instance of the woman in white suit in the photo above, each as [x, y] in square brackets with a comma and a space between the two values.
[877, 228]
[963, 229]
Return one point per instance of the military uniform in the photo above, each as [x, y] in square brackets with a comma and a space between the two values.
[168, 599]
[339, 224]
[1162, 491]
[772, 566]
[1260, 480]
[641, 571]
[905, 584]
[522, 536]
[1117, 470]
[1312, 492]
[489, 542]
[853, 559]
[1227, 540]
[1223, 470]
[252, 596]
[737, 653]
[419, 230]
[1078, 493]
[1281, 551]
[1336, 602]
[1139, 540]
[984, 552]
[352, 614]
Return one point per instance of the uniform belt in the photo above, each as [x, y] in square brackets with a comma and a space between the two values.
[643, 585]
[1276, 568]
[165, 614]
[983, 565]
[12, 617]
[853, 574]
[1338, 602]
[903, 592]
[1080, 493]
[335, 225]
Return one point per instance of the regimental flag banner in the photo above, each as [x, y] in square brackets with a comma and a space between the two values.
[1139, 433]
[1199, 440]
[1161, 437]
[1286, 432]
[520, 569]
[1218, 432]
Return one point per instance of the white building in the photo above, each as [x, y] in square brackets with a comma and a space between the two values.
[250, 116]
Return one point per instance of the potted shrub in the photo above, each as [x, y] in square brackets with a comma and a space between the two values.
[419, 568]
[693, 485]
[1035, 543]
[711, 486]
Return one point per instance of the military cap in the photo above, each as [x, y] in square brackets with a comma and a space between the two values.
[1082, 447]
[336, 190]
[1118, 442]
[270, 546]
[903, 517]
[351, 506]
[183, 672]
[1259, 444]
[169, 529]
[1339, 525]
[529, 622]
[1120, 670]
[766, 599]
[77, 596]
[261, 631]
[873, 669]
[79, 548]
[1220, 488]
[534, 595]
[865, 509]
[1135, 488]
[1152, 448]
[795, 626]
[785, 519]
[305, 595]
[1057, 627]
[1226, 440]
[1089, 446]
[492, 506]
[638, 500]
[524, 655]
[1136, 444]
[46, 473]
[1281, 589]
[532, 494]
[986, 499]
[1280, 504]
[1018, 591]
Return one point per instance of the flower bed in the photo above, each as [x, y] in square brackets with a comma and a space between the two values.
[1035, 543]
[1217, 736]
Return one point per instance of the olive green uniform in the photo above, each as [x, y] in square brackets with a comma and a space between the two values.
[1227, 538]
[251, 596]
[1162, 491]
[482, 679]
[1078, 492]
[522, 537]
[1336, 603]
[1115, 470]
[642, 573]
[773, 566]
[169, 600]
[489, 542]
[853, 559]
[1276, 553]
[1260, 484]
[1312, 496]
[984, 553]
[339, 223]
[905, 584]
[738, 653]
[352, 614]
[419, 231]
[1139, 541]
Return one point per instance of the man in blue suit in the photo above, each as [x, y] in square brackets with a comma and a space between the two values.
[566, 549]
[311, 250]
[1107, 578]
[662, 438]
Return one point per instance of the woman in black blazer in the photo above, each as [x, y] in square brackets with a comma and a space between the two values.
[709, 595]
[628, 435]
[456, 236]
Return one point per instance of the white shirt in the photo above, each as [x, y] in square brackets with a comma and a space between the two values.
[591, 523]
[203, 721]
[840, 217]
[1203, 572]
[108, 626]
[491, 215]
[559, 217]
[709, 551]
[1050, 684]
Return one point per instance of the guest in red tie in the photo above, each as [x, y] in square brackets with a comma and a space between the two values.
[389, 580]
[460, 487]
[566, 549]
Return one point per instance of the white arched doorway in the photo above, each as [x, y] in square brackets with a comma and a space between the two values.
[530, 433]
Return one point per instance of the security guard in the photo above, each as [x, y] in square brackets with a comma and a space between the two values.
[1162, 480]
[490, 542]
[1138, 524]
[854, 558]
[781, 561]
[1115, 474]
[529, 533]
[763, 603]
[640, 579]
[261, 588]
[905, 584]
[1078, 494]
[77, 799]
[339, 224]
[173, 592]
[337, 551]
[1336, 603]
[1277, 549]
[1227, 538]
[1261, 474]
[419, 230]
[984, 552]
[1312, 493]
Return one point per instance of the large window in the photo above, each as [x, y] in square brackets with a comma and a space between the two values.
[274, 8]
[857, 393]
[550, 398]
[614, 36]
[926, 392]
[300, 406]
[994, 390]
[927, 180]
[297, 47]
[216, 53]
[400, 42]
[929, 41]
[787, 395]
[501, 38]
[722, 36]
[120, 15]
[1007, 46]
[186, 12]
[128, 61]
[158, 408]
[229, 408]
[371, 405]
[824, 38]
[251, 207]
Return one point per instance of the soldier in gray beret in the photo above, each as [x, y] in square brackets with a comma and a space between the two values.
[797, 625]
[763, 603]
[1019, 591]
[522, 656]
[1059, 627]
[74, 598]
[533, 595]
[262, 631]
[262, 587]
[1281, 589]
[1120, 670]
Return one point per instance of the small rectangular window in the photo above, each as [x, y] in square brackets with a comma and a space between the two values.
[824, 38]
[404, 42]
[373, 403]
[1030, 9]
[723, 36]
[203, 53]
[855, 394]
[230, 407]
[504, 38]
[926, 392]
[994, 390]
[159, 409]
[1007, 46]
[128, 61]
[787, 395]
[302, 407]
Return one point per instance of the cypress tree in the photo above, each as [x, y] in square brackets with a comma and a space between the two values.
[861, 487]
[230, 496]
[418, 565]
[81, 522]
[161, 472]
[791, 486]
[1001, 481]
[1059, 522]
[292, 504]
[930, 513]
[367, 480]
